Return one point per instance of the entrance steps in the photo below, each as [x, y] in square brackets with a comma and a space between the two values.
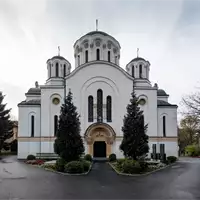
[99, 159]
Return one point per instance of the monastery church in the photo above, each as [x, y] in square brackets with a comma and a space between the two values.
[101, 91]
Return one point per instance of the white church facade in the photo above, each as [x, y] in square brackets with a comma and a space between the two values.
[101, 91]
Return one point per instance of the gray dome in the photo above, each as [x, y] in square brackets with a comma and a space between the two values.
[138, 58]
[57, 57]
[34, 91]
[161, 92]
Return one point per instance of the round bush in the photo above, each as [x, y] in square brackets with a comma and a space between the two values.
[143, 165]
[88, 157]
[172, 159]
[74, 167]
[31, 157]
[60, 164]
[86, 165]
[131, 167]
[112, 157]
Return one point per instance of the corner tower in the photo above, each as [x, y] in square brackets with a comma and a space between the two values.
[58, 68]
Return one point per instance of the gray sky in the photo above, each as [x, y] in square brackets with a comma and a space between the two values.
[167, 33]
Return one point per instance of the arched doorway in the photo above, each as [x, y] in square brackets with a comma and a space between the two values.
[99, 149]
[99, 138]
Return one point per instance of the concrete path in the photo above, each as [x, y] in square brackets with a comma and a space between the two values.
[20, 181]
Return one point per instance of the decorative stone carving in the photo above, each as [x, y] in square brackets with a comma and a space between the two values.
[104, 46]
[91, 45]
[86, 45]
[109, 45]
[114, 50]
[98, 43]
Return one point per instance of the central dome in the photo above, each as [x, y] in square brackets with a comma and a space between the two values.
[95, 46]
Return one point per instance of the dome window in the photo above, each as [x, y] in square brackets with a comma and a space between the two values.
[64, 73]
[98, 54]
[140, 71]
[78, 60]
[86, 56]
[108, 56]
[57, 69]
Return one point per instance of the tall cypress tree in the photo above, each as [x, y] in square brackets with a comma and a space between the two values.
[6, 125]
[135, 140]
[69, 144]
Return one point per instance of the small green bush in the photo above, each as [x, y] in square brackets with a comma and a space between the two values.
[131, 167]
[143, 165]
[74, 167]
[192, 150]
[86, 165]
[50, 166]
[60, 164]
[172, 159]
[112, 157]
[88, 157]
[30, 157]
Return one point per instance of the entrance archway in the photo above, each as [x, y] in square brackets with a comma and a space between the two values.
[99, 138]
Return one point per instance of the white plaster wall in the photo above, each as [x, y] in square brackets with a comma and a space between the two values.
[111, 80]
[48, 110]
[31, 97]
[24, 120]
[171, 121]
[163, 98]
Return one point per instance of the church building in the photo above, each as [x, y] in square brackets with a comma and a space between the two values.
[101, 90]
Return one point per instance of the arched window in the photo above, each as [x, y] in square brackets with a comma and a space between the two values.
[55, 124]
[164, 126]
[108, 56]
[49, 70]
[140, 71]
[57, 69]
[64, 73]
[99, 105]
[115, 59]
[133, 71]
[78, 60]
[109, 108]
[32, 126]
[90, 109]
[98, 54]
[86, 56]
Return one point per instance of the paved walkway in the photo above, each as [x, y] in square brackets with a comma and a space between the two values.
[20, 181]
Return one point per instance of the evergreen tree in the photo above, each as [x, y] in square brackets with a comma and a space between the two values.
[5, 122]
[135, 140]
[69, 144]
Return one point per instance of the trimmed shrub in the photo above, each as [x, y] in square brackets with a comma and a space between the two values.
[172, 159]
[131, 167]
[88, 157]
[60, 164]
[112, 157]
[192, 150]
[30, 157]
[143, 165]
[86, 165]
[49, 166]
[74, 167]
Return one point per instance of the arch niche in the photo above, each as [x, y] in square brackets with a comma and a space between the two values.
[99, 138]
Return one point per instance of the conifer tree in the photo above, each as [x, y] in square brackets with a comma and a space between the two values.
[5, 122]
[69, 144]
[135, 141]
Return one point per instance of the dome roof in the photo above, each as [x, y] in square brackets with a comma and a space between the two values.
[161, 92]
[138, 58]
[97, 32]
[57, 57]
[34, 91]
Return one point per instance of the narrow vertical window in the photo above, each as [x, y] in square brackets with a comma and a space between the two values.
[109, 108]
[99, 105]
[133, 71]
[108, 56]
[98, 54]
[57, 68]
[164, 126]
[49, 70]
[140, 71]
[115, 59]
[90, 109]
[78, 60]
[32, 125]
[86, 56]
[64, 71]
[55, 124]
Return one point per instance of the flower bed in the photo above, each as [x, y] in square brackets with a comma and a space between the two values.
[35, 162]
[132, 167]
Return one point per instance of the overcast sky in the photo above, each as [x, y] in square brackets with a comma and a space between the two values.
[167, 33]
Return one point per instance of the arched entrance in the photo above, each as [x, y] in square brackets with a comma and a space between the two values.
[99, 137]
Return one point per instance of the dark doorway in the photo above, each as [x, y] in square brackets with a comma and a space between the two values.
[99, 149]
